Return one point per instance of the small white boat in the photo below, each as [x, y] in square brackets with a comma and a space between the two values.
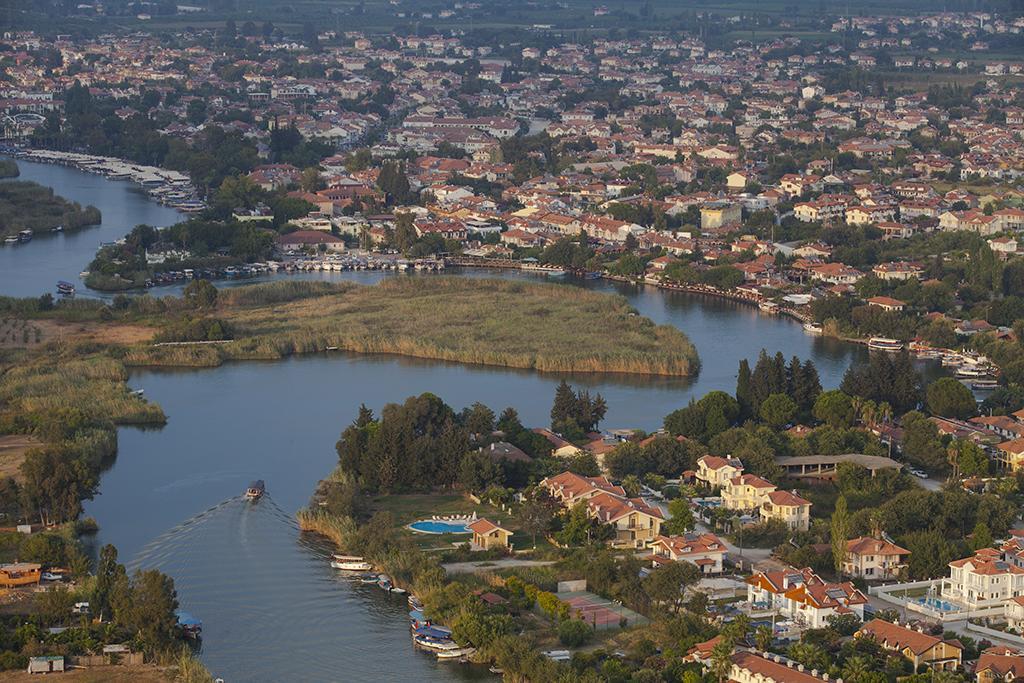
[812, 328]
[351, 563]
[768, 306]
[50, 576]
[884, 344]
[455, 654]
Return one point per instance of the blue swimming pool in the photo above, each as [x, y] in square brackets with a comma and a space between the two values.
[935, 603]
[434, 526]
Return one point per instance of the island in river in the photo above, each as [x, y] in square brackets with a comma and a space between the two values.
[536, 326]
[26, 205]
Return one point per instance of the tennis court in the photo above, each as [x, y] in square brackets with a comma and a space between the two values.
[600, 612]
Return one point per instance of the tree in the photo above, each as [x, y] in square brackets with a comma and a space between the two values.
[681, 519]
[839, 530]
[667, 583]
[835, 409]
[478, 420]
[534, 517]
[108, 571]
[921, 444]
[200, 294]
[950, 398]
[311, 180]
[981, 537]
[778, 410]
[405, 232]
[576, 530]
[150, 613]
[968, 459]
[394, 183]
[744, 395]
[574, 632]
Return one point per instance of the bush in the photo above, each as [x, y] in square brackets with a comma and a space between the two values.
[12, 661]
[574, 633]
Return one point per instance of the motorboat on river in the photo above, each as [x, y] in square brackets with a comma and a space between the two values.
[256, 490]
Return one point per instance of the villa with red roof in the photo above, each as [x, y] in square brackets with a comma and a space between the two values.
[874, 558]
[997, 664]
[636, 524]
[789, 508]
[920, 648]
[716, 472]
[704, 550]
[488, 535]
[803, 596]
[989, 578]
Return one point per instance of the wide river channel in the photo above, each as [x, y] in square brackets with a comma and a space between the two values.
[272, 608]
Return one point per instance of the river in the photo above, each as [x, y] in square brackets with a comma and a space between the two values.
[272, 608]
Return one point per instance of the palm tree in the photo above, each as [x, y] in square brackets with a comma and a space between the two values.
[763, 637]
[856, 669]
[884, 411]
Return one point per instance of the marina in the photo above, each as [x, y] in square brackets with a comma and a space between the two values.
[167, 187]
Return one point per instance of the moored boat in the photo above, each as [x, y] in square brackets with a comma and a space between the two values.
[813, 328]
[984, 384]
[350, 563]
[189, 625]
[25, 235]
[884, 344]
[455, 654]
[65, 288]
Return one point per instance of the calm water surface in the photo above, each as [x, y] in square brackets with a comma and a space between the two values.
[272, 608]
[34, 268]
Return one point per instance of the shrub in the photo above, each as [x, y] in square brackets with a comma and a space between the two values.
[574, 633]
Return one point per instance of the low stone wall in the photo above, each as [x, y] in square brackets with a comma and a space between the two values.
[86, 661]
[993, 633]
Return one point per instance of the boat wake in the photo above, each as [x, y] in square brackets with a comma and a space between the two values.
[243, 568]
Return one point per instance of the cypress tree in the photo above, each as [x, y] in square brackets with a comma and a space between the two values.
[743, 389]
[564, 407]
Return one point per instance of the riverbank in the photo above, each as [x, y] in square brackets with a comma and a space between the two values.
[502, 323]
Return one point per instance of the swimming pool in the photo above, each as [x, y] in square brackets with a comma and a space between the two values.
[938, 604]
[434, 526]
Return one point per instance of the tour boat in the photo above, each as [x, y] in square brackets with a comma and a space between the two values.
[256, 490]
[813, 328]
[350, 563]
[884, 344]
[985, 383]
[971, 371]
[65, 287]
[768, 306]
[25, 235]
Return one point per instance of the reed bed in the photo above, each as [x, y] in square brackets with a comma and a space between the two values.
[546, 327]
[94, 385]
[280, 292]
[337, 529]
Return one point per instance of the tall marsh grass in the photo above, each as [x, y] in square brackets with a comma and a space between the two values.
[339, 530]
[547, 327]
[95, 386]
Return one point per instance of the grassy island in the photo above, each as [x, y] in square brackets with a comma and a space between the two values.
[9, 168]
[26, 205]
[543, 327]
